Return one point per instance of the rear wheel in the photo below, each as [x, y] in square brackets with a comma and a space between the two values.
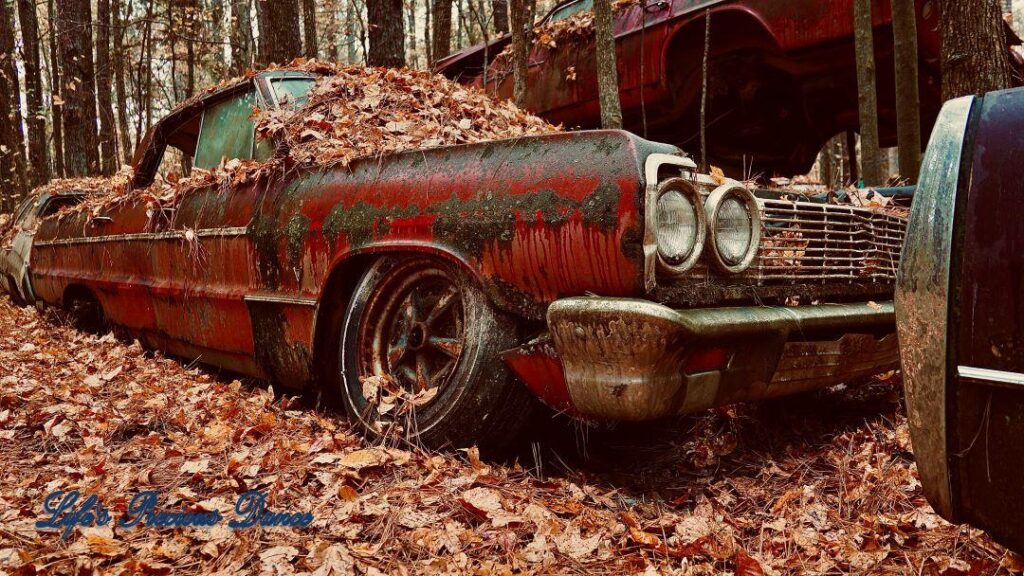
[86, 312]
[421, 331]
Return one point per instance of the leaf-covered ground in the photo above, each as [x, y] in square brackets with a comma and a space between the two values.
[818, 484]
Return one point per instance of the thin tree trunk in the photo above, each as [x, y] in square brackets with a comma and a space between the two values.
[104, 90]
[350, 37]
[607, 73]
[190, 9]
[441, 14]
[867, 93]
[144, 93]
[410, 11]
[853, 171]
[908, 100]
[428, 45]
[13, 178]
[309, 48]
[975, 57]
[521, 13]
[56, 114]
[241, 36]
[387, 35]
[120, 63]
[500, 10]
[81, 152]
[35, 114]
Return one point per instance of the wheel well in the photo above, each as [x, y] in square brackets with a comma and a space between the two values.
[744, 32]
[78, 292]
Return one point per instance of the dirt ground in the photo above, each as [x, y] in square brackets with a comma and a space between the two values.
[818, 484]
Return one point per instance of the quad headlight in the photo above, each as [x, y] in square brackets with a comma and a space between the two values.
[734, 225]
[680, 226]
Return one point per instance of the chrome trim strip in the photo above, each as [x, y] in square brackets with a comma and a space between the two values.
[278, 299]
[148, 236]
[987, 375]
[922, 300]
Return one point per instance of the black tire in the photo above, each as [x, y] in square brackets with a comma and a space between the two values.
[478, 401]
[86, 313]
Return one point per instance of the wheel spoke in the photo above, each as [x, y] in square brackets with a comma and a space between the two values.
[443, 373]
[422, 372]
[450, 346]
[409, 310]
[443, 303]
[397, 350]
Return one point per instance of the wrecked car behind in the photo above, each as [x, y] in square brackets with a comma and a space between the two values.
[605, 272]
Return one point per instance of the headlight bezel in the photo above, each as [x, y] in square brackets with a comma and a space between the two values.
[713, 205]
[675, 267]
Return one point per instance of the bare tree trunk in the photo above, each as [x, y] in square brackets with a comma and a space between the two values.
[410, 11]
[975, 57]
[830, 161]
[13, 178]
[81, 152]
[350, 37]
[144, 74]
[241, 36]
[867, 93]
[56, 115]
[428, 45]
[309, 48]
[104, 90]
[120, 63]
[35, 114]
[908, 100]
[279, 20]
[852, 171]
[521, 13]
[500, 10]
[387, 35]
[607, 73]
[442, 32]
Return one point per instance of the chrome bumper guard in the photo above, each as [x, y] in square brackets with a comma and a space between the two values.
[628, 359]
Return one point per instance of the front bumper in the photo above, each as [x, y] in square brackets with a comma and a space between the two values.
[626, 359]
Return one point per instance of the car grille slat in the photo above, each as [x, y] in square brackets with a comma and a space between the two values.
[814, 243]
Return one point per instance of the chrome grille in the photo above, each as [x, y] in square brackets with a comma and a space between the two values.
[812, 243]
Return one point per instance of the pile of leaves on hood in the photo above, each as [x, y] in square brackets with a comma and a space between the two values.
[352, 112]
[824, 485]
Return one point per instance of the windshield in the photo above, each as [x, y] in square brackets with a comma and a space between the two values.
[292, 92]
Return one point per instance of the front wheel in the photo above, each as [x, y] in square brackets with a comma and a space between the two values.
[419, 353]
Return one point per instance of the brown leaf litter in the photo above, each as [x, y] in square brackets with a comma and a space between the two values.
[820, 484]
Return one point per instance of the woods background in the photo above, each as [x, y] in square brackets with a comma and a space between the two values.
[81, 80]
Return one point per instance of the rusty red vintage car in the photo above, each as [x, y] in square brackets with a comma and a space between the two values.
[961, 319]
[596, 271]
[782, 75]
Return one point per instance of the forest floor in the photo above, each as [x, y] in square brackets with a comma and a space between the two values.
[823, 483]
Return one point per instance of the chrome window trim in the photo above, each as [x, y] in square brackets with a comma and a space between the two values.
[922, 300]
[148, 236]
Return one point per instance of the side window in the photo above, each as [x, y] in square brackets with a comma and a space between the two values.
[227, 131]
[58, 202]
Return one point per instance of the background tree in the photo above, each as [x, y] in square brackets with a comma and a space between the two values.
[119, 63]
[309, 36]
[867, 94]
[975, 58]
[12, 139]
[521, 14]
[74, 24]
[35, 114]
[386, 34]
[280, 40]
[607, 73]
[441, 14]
[908, 100]
[56, 116]
[241, 36]
[104, 89]
[500, 10]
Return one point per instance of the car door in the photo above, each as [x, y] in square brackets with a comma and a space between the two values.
[202, 261]
[960, 306]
